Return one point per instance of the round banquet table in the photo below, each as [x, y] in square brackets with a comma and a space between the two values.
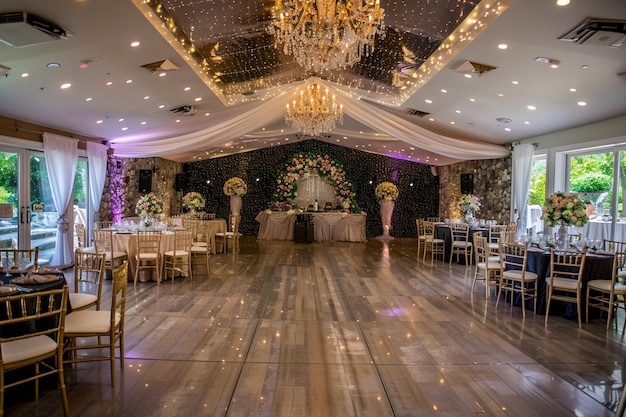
[597, 266]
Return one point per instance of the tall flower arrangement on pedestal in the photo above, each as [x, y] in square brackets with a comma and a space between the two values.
[235, 186]
[469, 205]
[386, 192]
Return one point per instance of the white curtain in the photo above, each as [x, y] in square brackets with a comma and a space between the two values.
[522, 164]
[246, 119]
[97, 157]
[61, 159]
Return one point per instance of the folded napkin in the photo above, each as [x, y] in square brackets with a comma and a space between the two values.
[7, 289]
[35, 279]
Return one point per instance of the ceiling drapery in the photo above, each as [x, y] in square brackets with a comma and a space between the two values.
[247, 119]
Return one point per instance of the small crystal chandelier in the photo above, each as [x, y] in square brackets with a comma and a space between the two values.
[313, 112]
[326, 35]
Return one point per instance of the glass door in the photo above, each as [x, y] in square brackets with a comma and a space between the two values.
[9, 194]
[40, 227]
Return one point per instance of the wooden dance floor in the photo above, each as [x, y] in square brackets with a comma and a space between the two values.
[283, 329]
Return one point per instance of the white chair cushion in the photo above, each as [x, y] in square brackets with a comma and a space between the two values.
[517, 275]
[605, 285]
[89, 321]
[178, 253]
[114, 255]
[90, 249]
[566, 283]
[204, 244]
[461, 244]
[146, 256]
[196, 249]
[79, 299]
[490, 265]
[31, 347]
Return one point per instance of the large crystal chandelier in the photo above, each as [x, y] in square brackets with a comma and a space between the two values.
[326, 35]
[313, 111]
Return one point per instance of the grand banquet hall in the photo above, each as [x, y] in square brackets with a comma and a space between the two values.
[306, 206]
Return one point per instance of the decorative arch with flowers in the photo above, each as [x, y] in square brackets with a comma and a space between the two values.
[302, 165]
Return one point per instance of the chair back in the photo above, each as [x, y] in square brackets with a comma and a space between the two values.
[149, 241]
[33, 314]
[81, 235]
[614, 246]
[459, 232]
[118, 296]
[183, 239]
[419, 223]
[103, 241]
[89, 273]
[204, 233]
[190, 223]
[24, 257]
[513, 256]
[428, 229]
[495, 232]
[233, 223]
[104, 224]
[567, 264]
[511, 227]
[481, 249]
[433, 219]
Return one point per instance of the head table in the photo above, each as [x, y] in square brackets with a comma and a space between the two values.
[328, 226]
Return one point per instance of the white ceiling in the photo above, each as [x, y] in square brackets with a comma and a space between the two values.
[103, 31]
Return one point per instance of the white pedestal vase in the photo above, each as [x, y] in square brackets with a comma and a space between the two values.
[235, 204]
[386, 211]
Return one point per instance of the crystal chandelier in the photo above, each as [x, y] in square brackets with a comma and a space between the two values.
[313, 112]
[326, 35]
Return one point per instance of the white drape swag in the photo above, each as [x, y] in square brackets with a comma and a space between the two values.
[242, 120]
[522, 161]
[61, 155]
[97, 157]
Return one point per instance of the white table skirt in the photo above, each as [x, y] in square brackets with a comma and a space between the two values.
[342, 227]
[600, 230]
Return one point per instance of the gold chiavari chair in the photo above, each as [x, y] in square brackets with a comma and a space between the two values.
[148, 256]
[432, 244]
[88, 279]
[487, 268]
[178, 260]
[514, 277]
[608, 294]
[461, 243]
[565, 282]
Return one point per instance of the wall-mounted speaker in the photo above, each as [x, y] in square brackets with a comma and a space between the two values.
[467, 183]
[181, 182]
[145, 180]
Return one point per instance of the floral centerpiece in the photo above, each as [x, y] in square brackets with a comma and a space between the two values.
[193, 200]
[469, 204]
[235, 186]
[303, 165]
[386, 191]
[562, 208]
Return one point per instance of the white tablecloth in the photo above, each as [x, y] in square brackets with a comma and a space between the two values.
[342, 227]
[127, 242]
[600, 230]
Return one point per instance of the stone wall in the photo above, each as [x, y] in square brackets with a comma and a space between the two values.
[492, 184]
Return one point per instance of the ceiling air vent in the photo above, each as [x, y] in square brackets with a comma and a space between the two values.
[596, 31]
[184, 110]
[469, 67]
[21, 29]
[160, 66]
[415, 112]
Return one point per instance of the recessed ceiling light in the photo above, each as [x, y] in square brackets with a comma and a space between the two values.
[162, 74]
[24, 75]
[562, 2]
[582, 103]
[135, 44]
[66, 85]
[143, 123]
[503, 46]
[88, 99]
[573, 90]
[429, 101]
[129, 81]
[146, 97]
[444, 91]
[161, 106]
[515, 82]
[99, 122]
[120, 120]
[467, 75]
[585, 66]
[507, 129]
[526, 122]
[458, 111]
[472, 100]
[124, 128]
[531, 107]
[53, 65]
[187, 88]
[198, 99]
[109, 82]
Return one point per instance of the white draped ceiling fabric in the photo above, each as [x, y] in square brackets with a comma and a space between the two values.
[246, 119]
